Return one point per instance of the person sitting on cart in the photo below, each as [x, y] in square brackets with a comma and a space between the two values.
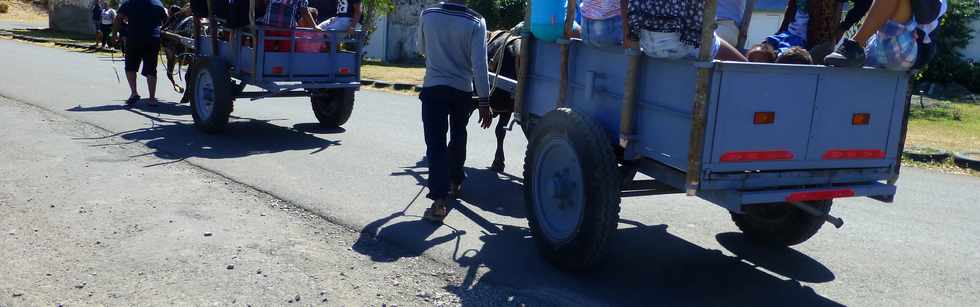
[144, 19]
[891, 26]
[346, 16]
[672, 29]
[601, 22]
[813, 25]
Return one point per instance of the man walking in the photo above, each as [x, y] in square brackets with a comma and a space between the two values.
[452, 38]
[144, 19]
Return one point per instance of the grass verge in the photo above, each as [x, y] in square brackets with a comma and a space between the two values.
[411, 74]
[945, 125]
[23, 11]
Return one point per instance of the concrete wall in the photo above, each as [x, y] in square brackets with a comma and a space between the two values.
[71, 16]
[972, 51]
[402, 27]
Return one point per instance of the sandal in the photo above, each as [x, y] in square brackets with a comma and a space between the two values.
[437, 213]
[132, 100]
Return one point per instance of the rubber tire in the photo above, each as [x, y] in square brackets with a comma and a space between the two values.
[223, 97]
[940, 157]
[600, 218]
[794, 228]
[964, 161]
[333, 108]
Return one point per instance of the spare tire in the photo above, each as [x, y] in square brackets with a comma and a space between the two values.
[970, 160]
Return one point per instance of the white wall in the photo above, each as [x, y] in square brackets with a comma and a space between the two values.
[376, 43]
[972, 51]
[763, 24]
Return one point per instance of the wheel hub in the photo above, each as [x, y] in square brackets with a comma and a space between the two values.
[559, 198]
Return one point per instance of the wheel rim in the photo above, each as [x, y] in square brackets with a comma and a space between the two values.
[558, 191]
[204, 94]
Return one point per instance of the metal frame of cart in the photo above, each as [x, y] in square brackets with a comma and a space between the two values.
[228, 60]
[772, 144]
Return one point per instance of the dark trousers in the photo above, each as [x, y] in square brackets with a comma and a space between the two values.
[445, 108]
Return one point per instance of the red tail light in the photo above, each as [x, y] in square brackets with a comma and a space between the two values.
[861, 119]
[277, 70]
[819, 195]
[764, 118]
[860, 154]
[752, 156]
[344, 71]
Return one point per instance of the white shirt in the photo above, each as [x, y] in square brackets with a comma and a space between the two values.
[108, 15]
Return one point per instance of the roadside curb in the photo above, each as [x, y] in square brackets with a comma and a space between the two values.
[967, 160]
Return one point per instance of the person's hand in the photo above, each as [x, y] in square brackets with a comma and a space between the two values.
[485, 117]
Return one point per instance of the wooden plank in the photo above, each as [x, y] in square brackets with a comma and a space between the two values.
[700, 109]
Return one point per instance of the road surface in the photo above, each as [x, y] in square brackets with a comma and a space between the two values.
[669, 250]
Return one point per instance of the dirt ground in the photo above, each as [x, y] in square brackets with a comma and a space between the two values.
[87, 218]
[23, 11]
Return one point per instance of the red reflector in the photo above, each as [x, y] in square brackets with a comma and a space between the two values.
[751, 156]
[277, 70]
[861, 119]
[344, 71]
[819, 195]
[854, 154]
[764, 118]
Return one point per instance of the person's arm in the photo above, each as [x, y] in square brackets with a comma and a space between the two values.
[117, 22]
[420, 36]
[788, 16]
[478, 56]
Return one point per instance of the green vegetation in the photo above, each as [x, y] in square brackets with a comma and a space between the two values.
[953, 35]
[945, 125]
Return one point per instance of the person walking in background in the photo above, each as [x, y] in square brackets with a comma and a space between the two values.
[105, 26]
[144, 19]
[452, 38]
[96, 16]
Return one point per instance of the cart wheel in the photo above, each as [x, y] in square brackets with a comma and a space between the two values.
[571, 189]
[333, 108]
[780, 223]
[211, 95]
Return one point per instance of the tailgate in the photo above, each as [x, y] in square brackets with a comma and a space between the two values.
[783, 117]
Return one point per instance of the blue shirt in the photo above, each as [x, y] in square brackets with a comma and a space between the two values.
[145, 18]
[730, 10]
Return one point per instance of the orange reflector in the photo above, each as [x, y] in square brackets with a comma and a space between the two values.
[854, 154]
[819, 195]
[861, 119]
[344, 71]
[752, 156]
[764, 118]
[277, 70]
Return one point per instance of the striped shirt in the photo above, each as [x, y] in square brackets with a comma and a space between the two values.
[452, 38]
[600, 9]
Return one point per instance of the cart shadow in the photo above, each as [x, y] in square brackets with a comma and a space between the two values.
[316, 128]
[645, 264]
[177, 139]
[784, 261]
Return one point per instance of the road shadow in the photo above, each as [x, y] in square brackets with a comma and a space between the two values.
[316, 128]
[175, 138]
[499, 193]
[780, 260]
[646, 266]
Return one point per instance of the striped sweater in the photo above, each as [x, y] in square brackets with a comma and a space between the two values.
[452, 38]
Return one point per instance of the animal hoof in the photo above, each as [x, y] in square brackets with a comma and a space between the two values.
[497, 166]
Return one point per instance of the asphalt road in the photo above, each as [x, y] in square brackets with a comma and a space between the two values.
[670, 250]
